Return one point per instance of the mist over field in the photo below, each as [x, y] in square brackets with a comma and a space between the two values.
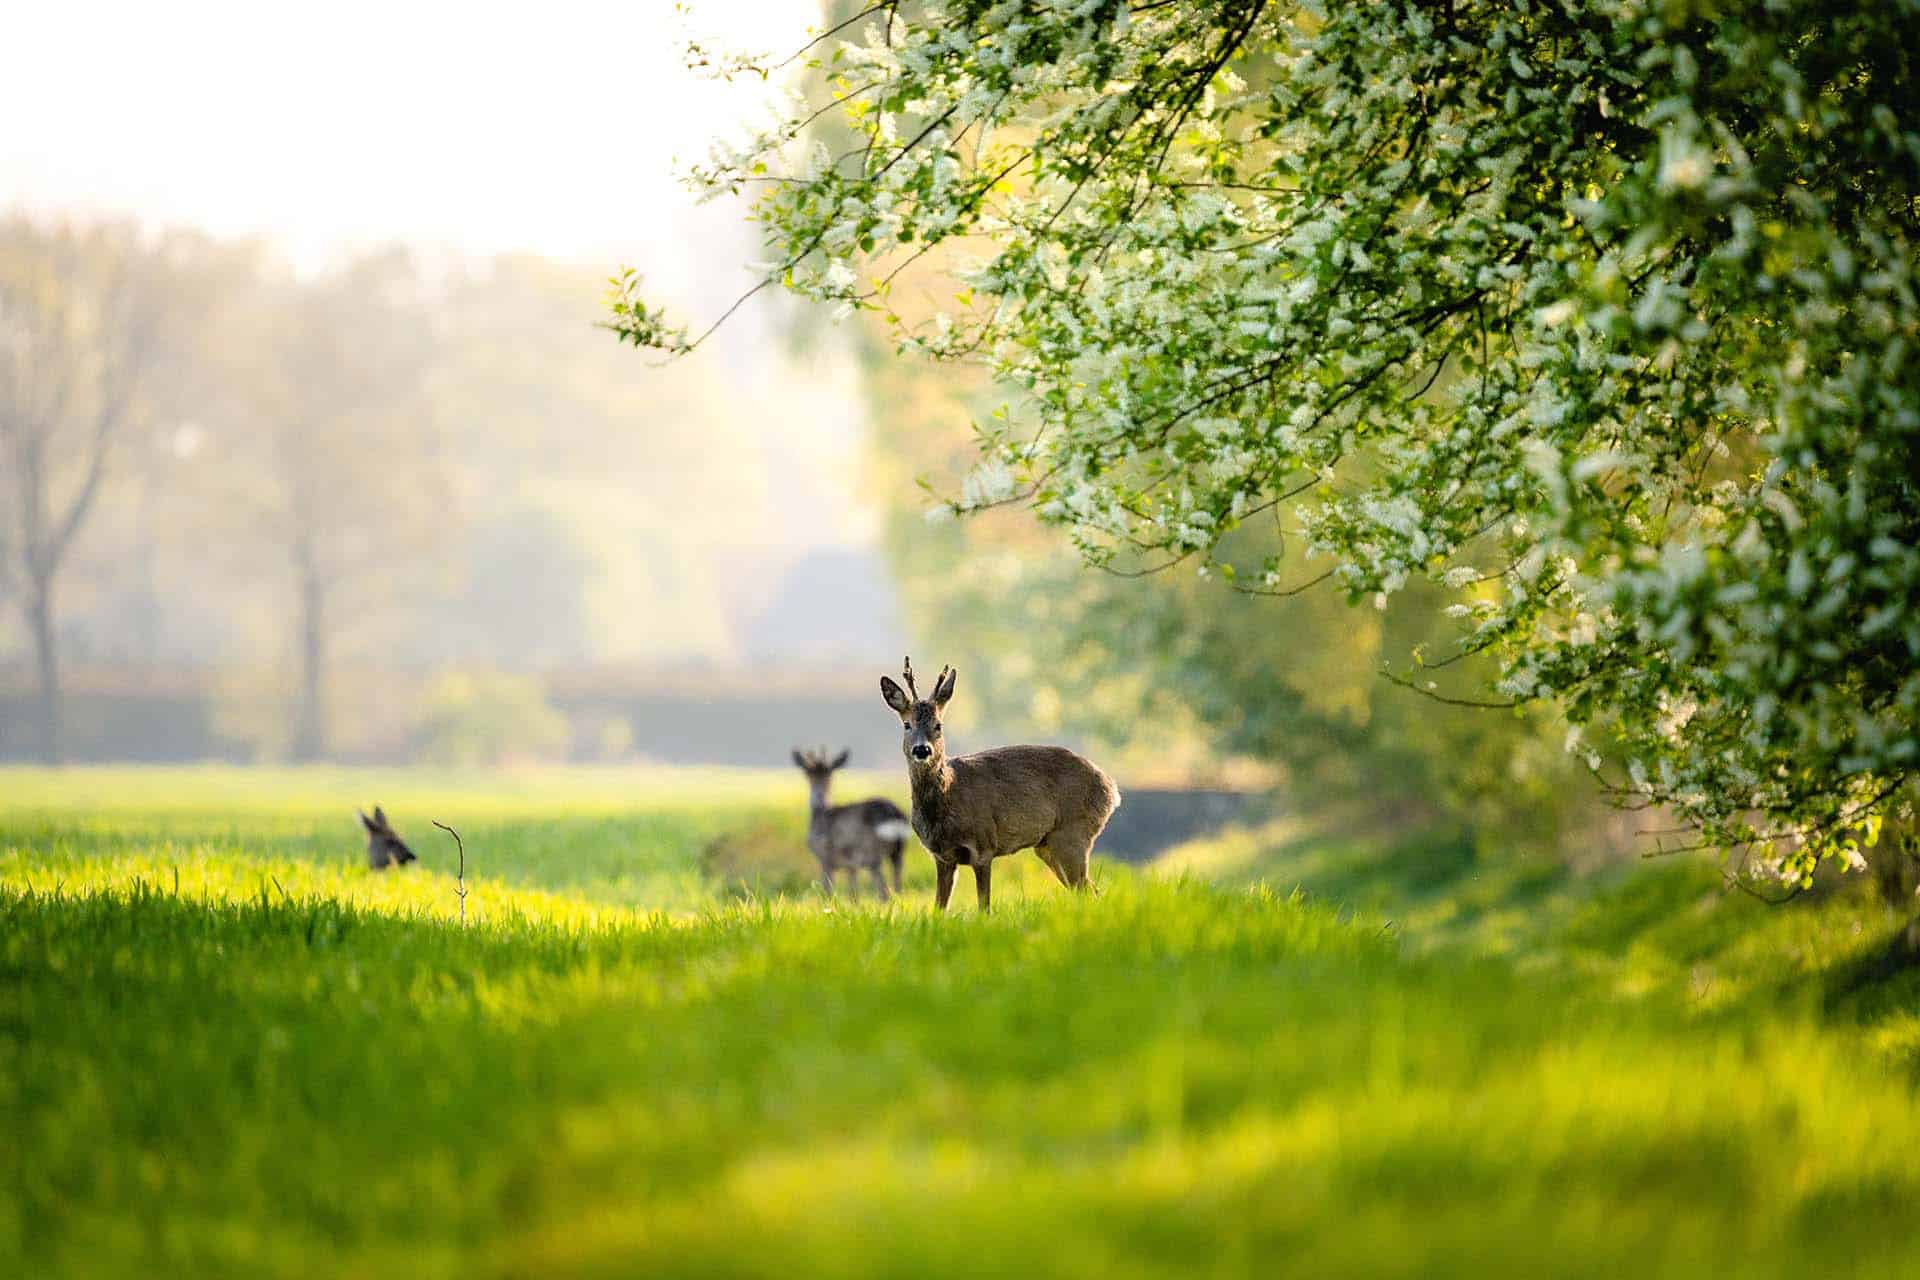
[374, 442]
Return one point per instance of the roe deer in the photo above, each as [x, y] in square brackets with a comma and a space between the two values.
[969, 810]
[852, 837]
[384, 844]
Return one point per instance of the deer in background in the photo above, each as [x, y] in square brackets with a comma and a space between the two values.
[969, 810]
[853, 837]
[384, 844]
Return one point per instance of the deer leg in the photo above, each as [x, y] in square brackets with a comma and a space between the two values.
[880, 882]
[943, 884]
[899, 856]
[1066, 854]
[983, 882]
[826, 878]
[1044, 852]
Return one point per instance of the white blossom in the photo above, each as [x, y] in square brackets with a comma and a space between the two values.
[1660, 360]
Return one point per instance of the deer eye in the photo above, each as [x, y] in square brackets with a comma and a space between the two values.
[936, 726]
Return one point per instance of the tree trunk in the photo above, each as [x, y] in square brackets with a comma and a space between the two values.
[47, 660]
[1895, 862]
[310, 734]
[1906, 943]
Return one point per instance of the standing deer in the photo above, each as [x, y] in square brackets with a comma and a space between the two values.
[853, 837]
[384, 844]
[969, 810]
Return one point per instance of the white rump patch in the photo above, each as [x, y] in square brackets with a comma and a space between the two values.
[893, 829]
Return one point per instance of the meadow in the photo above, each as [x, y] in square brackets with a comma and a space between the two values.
[226, 1048]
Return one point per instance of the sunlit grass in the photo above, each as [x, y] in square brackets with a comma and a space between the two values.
[615, 836]
[291, 1066]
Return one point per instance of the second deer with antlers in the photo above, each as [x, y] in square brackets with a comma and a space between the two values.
[969, 810]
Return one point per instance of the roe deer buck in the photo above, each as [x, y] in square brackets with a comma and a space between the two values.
[969, 810]
[853, 837]
[384, 844]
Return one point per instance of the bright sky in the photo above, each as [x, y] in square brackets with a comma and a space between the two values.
[551, 127]
[473, 127]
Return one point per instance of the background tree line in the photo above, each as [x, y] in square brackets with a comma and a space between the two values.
[389, 487]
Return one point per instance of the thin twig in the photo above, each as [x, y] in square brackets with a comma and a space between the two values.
[1441, 697]
[1281, 593]
[460, 881]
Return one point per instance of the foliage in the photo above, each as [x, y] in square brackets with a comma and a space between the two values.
[488, 718]
[1167, 1079]
[333, 454]
[653, 491]
[432, 459]
[524, 601]
[1145, 668]
[92, 321]
[1600, 316]
[766, 859]
[1166, 676]
[1165, 671]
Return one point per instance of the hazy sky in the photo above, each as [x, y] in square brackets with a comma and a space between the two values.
[551, 127]
[470, 127]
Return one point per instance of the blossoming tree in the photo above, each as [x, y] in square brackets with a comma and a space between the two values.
[1602, 315]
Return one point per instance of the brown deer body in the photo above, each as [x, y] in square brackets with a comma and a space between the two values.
[969, 810]
[851, 837]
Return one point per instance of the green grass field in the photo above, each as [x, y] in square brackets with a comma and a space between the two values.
[228, 1049]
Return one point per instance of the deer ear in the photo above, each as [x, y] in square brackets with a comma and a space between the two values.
[380, 818]
[943, 687]
[798, 758]
[841, 759]
[896, 696]
[367, 822]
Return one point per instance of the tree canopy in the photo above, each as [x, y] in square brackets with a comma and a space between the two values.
[1601, 316]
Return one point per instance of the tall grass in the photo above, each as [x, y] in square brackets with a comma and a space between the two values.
[289, 1066]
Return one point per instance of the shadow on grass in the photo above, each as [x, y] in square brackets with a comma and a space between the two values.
[1666, 928]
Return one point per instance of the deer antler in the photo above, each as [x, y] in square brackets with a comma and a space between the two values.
[906, 670]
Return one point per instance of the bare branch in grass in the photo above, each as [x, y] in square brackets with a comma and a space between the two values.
[460, 880]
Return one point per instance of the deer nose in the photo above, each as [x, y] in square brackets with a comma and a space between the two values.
[921, 751]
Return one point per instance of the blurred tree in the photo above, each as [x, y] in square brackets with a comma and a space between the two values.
[276, 501]
[654, 477]
[88, 315]
[481, 718]
[524, 599]
[1169, 675]
[357, 461]
[330, 460]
